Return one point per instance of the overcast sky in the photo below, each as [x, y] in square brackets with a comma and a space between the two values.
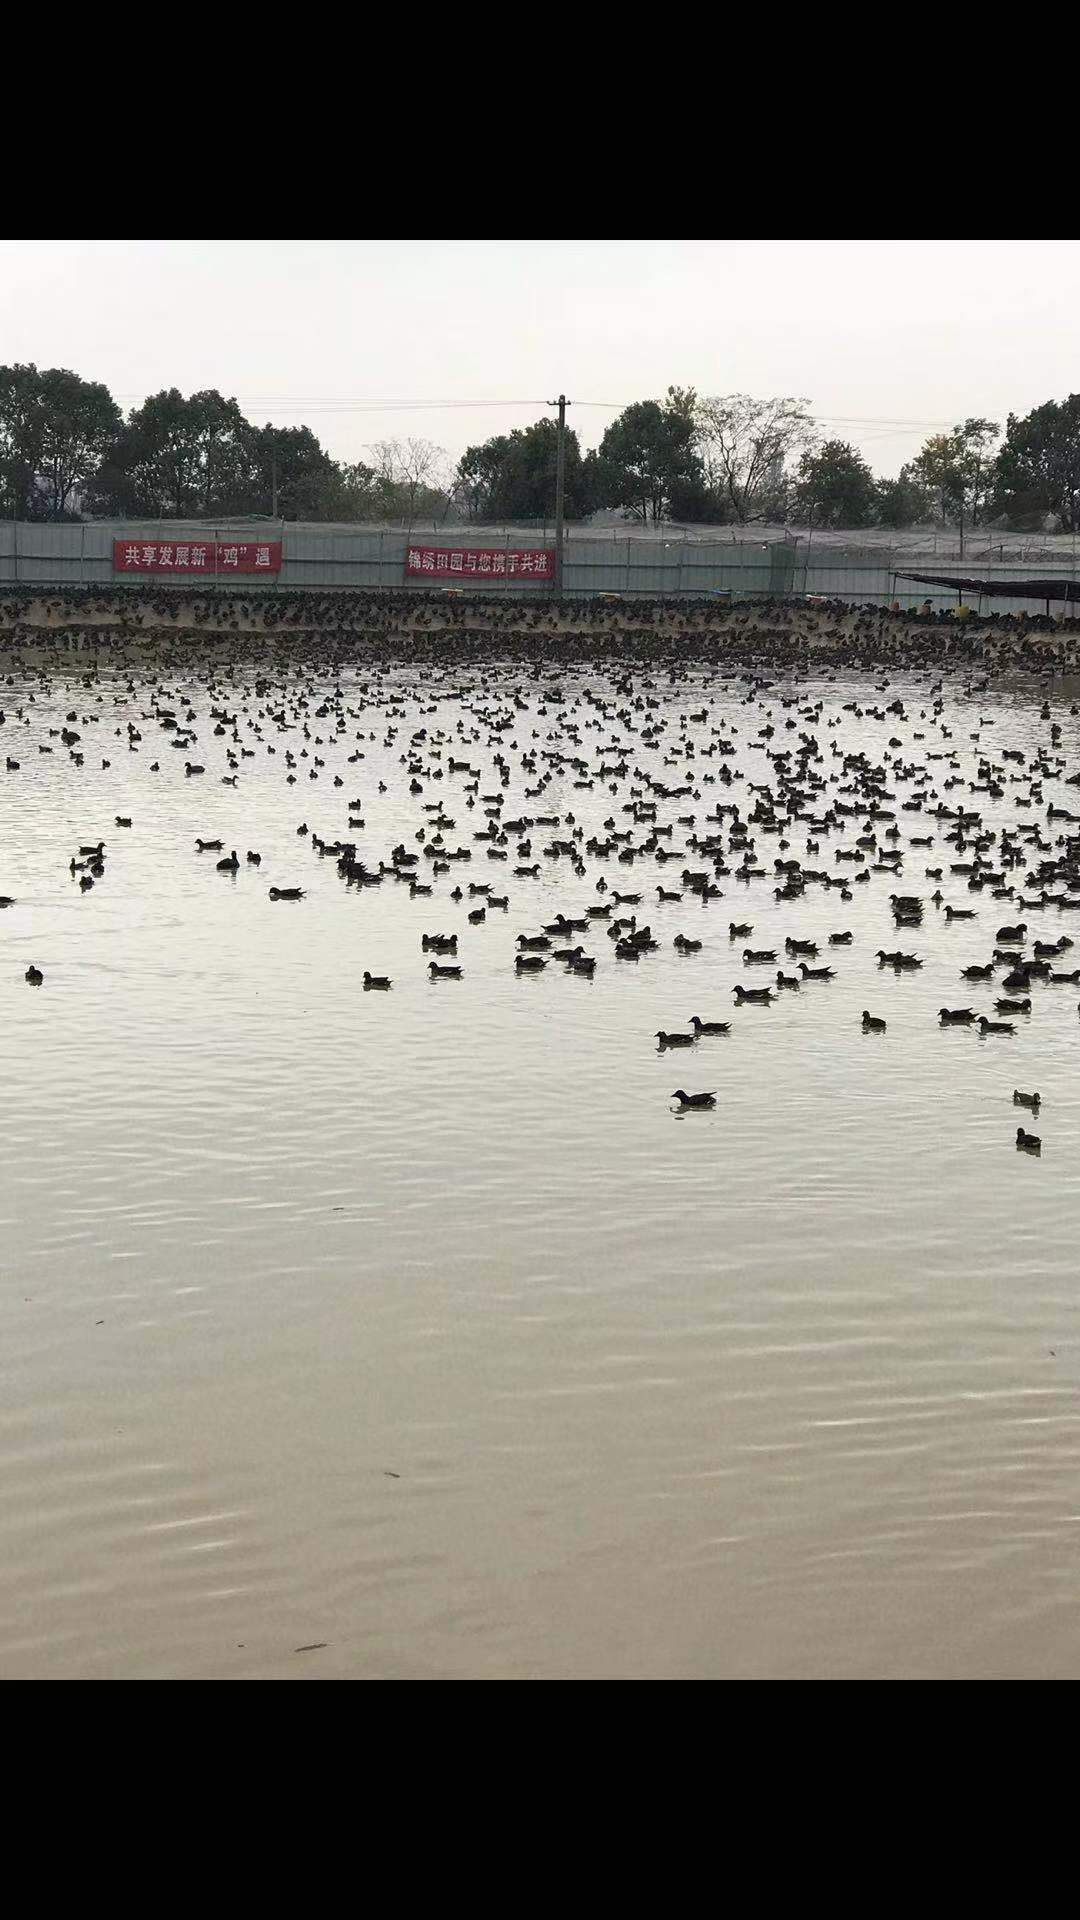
[873, 333]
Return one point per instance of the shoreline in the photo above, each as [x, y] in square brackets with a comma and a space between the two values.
[376, 625]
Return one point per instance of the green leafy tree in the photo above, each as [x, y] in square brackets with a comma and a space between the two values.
[513, 476]
[79, 422]
[178, 457]
[1038, 468]
[646, 453]
[478, 473]
[834, 487]
[20, 439]
[957, 469]
[291, 461]
[691, 500]
[903, 502]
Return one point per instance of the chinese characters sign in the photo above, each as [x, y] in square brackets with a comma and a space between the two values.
[196, 556]
[481, 564]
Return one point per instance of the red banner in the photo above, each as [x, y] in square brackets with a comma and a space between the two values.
[197, 556]
[481, 565]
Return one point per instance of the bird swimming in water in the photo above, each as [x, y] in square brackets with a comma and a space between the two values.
[34, 976]
[231, 865]
[376, 983]
[870, 1025]
[286, 893]
[709, 1026]
[693, 1099]
[1028, 1142]
[443, 973]
[1032, 1100]
[675, 1039]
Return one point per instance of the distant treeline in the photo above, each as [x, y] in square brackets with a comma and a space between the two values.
[68, 452]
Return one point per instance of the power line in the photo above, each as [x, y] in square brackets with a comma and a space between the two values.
[339, 404]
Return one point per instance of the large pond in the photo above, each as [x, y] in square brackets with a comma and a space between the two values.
[419, 1333]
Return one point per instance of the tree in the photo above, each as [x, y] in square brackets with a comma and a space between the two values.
[647, 453]
[903, 502]
[290, 462]
[744, 445]
[79, 421]
[179, 458]
[835, 487]
[690, 499]
[513, 476]
[20, 438]
[478, 475]
[1038, 468]
[410, 472]
[956, 467]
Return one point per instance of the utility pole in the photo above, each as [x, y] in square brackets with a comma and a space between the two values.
[560, 477]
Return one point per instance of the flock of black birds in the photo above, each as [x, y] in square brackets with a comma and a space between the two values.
[639, 729]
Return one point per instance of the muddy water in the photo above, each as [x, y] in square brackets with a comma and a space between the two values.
[416, 1329]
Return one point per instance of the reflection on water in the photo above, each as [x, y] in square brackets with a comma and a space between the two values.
[418, 1324]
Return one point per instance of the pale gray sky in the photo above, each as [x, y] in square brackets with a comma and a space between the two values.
[872, 332]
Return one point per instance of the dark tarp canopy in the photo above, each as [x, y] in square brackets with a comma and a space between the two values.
[1002, 588]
